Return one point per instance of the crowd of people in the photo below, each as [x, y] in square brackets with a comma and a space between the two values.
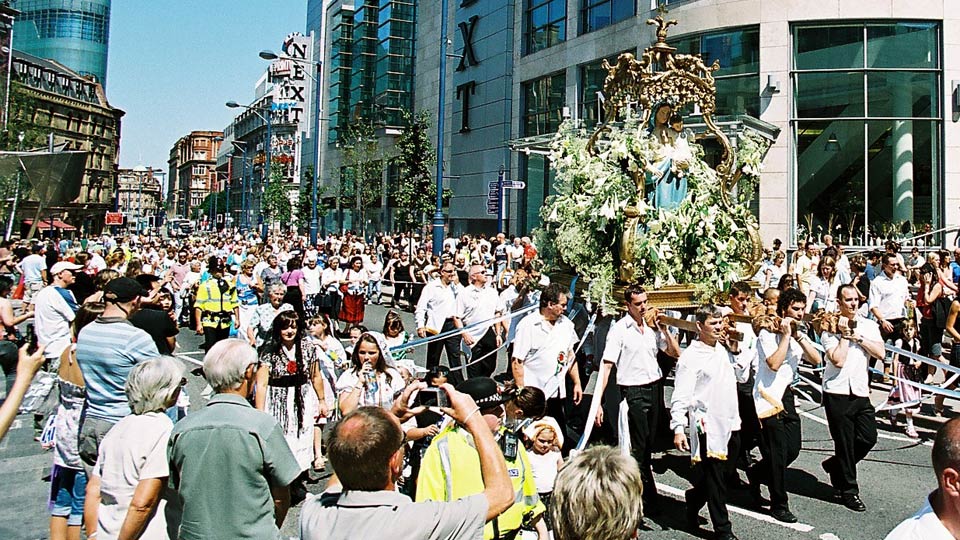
[300, 384]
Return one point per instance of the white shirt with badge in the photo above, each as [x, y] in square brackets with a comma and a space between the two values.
[544, 348]
[633, 349]
[853, 378]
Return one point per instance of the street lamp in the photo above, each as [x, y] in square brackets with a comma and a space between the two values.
[266, 175]
[438, 214]
[242, 145]
[314, 218]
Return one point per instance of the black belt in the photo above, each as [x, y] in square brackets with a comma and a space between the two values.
[288, 381]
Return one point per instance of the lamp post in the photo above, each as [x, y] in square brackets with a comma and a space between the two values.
[438, 215]
[314, 218]
[16, 191]
[242, 145]
[268, 119]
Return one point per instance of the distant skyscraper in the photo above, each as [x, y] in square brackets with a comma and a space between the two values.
[74, 33]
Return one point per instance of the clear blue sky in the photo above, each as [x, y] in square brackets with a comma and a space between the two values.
[174, 63]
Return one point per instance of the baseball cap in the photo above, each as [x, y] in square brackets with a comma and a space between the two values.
[483, 390]
[123, 289]
[63, 265]
[146, 280]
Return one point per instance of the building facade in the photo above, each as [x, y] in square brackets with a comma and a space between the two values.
[863, 94]
[74, 109]
[72, 32]
[192, 171]
[139, 197]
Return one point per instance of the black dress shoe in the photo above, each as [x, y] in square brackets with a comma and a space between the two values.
[784, 515]
[854, 503]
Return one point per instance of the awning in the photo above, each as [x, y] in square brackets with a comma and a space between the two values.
[44, 225]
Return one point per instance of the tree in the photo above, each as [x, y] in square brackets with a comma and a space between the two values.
[416, 191]
[22, 106]
[305, 202]
[276, 202]
[361, 177]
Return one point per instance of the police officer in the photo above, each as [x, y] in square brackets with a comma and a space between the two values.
[216, 306]
[450, 468]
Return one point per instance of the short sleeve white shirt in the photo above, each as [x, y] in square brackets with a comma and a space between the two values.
[543, 348]
[52, 318]
[852, 378]
[477, 305]
[769, 386]
[633, 349]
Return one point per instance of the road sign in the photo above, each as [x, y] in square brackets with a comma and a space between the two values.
[113, 218]
[493, 198]
[514, 184]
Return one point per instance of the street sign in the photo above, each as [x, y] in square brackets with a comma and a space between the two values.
[514, 184]
[113, 218]
[493, 198]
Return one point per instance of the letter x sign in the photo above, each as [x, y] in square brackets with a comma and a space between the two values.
[466, 31]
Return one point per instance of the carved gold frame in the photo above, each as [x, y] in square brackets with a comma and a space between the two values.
[660, 75]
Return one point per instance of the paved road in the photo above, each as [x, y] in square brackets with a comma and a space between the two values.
[894, 478]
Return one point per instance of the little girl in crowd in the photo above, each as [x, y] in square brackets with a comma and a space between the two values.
[332, 358]
[909, 370]
[544, 442]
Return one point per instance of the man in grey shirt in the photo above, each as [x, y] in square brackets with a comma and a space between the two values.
[366, 450]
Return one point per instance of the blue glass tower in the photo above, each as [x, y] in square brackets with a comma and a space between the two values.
[74, 33]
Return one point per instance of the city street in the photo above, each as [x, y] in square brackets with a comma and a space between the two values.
[894, 478]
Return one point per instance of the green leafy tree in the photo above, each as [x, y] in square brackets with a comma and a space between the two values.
[305, 202]
[415, 193]
[363, 169]
[276, 202]
[23, 105]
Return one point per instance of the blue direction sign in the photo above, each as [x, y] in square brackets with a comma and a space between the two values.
[493, 198]
[514, 184]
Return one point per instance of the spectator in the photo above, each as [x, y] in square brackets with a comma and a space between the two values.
[229, 463]
[152, 319]
[366, 450]
[372, 379]
[27, 366]
[55, 308]
[33, 268]
[125, 490]
[107, 349]
[597, 495]
[939, 517]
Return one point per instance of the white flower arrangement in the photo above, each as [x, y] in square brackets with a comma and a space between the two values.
[700, 242]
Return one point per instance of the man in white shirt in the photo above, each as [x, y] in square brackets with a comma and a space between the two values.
[311, 285]
[34, 269]
[632, 347]
[434, 314]
[55, 309]
[544, 348]
[374, 267]
[779, 355]
[477, 303]
[889, 292]
[939, 518]
[705, 400]
[739, 295]
[846, 395]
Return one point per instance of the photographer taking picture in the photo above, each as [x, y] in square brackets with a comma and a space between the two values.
[366, 450]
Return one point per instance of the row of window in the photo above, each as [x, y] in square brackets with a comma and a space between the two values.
[69, 23]
[545, 21]
[866, 125]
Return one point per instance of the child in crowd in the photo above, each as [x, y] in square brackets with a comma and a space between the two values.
[332, 361]
[165, 300]
[544, 440]
[355, 331]
[907, 369]
[319, 328]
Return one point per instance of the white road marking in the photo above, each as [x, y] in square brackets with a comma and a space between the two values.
[799, 527]
[188, 359]
[816, 418]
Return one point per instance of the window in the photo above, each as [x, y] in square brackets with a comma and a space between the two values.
[867, 128]
[738, 79]
[592, 76]
[542, 104]
[544, 24]
[597, 14]
[199, 170]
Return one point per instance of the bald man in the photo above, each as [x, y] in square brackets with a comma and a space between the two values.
[478, 303]
[939, 518]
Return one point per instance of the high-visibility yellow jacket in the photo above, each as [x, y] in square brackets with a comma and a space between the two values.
[450, 470]
[216, 306]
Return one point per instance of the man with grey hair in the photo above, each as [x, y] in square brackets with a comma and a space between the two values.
[475, 304]
[597, 494]
[230, 448]
[705, 398]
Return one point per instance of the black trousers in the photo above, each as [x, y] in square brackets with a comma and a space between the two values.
[779, 446]
[643, 412]
[450, 344]
[483, 346]
[853, 428]
[749, 423]
[710, 484]
[212, 335]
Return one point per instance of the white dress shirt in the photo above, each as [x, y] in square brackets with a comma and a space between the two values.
[477, 305]
[633, 349]
[748, 346]
[543, 348]
[705, 397]
[888, 295]
[852, 378]
[438, 302]
[769, 386]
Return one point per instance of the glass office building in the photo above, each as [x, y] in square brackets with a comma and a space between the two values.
[74, 33]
